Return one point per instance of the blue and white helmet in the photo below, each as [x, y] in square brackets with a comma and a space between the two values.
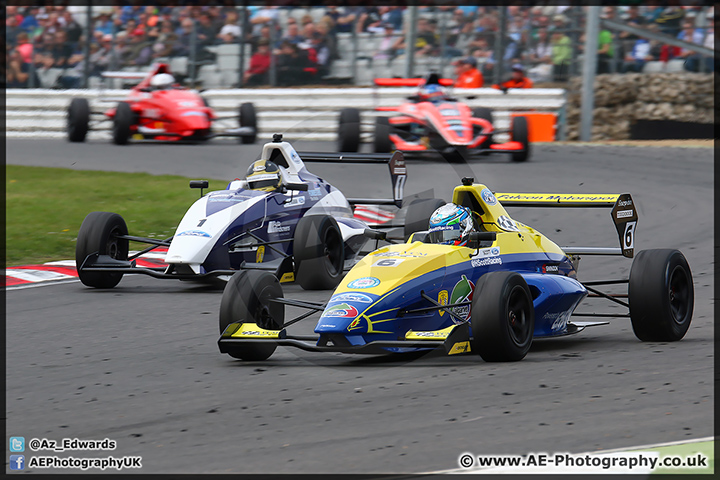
[450, 225]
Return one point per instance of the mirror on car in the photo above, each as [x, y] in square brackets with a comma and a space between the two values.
[199, 184]
[481, 239]
[375, 234]
[301, 187]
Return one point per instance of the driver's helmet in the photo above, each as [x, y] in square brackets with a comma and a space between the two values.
[450, 225]
[162, 81]
[432, 93]
[263, 175]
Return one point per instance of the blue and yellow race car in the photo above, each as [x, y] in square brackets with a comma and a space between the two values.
[492, 296]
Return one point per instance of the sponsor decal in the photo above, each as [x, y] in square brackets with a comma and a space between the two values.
[258, 168]
[388, 262]
[429, 334]
[260, 254]
[459, 347]
[399, 254]
[556, 197]
[462, 292]
[507, 224]
[277, 227]
[355, 324]
[364, 282]
[193, 113]
[342, 310]
[559, 320]
[315, 193]
[297, 200]
[483, 262]
[547, 268]
[287, 277]
[488, 252]
[442, 300]
[261, 177]
[351, 297]
[625, 213]
[449, 112]
[193, 233]
[294, 156]
[151, 113]
[189, 103]
[488, 196]
[624, 203]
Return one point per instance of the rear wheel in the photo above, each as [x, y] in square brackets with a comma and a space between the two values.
[247, 299]
[519, 133]
[78, 118]
[418, 214]
[123, 120]
[485, 114]
[502, 317]
[319, 252]
[349, 130]
[98, 234]
[381, 137]
[661, 295]
[248, 118]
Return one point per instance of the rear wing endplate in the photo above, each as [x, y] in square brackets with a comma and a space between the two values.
[624, 214]
[396, 165]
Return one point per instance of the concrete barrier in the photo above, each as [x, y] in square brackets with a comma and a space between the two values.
[309, 114]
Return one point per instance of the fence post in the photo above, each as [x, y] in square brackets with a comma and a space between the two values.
[86, 47]
[193, 54]
[588, 75]
[443, 43]
[241, 42]
[273, 58]
[353, 65]
[410, 36]
[499, 53]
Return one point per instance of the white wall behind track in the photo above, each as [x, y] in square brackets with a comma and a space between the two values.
[310, 114]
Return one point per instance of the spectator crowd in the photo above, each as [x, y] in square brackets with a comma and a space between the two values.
[544, 41]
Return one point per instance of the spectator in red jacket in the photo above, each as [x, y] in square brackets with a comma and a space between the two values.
[257, 73]
[518, 79]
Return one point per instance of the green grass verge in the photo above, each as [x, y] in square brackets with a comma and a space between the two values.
[45, 207]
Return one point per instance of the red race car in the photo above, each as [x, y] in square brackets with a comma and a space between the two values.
[158, 108]
[431, 122]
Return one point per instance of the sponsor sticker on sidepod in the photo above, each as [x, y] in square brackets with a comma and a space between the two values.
[487, 256]
[364, 282]
[351, 297]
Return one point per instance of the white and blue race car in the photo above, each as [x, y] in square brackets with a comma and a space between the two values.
[304, 231]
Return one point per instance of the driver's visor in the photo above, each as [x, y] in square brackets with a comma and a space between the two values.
[444, 234]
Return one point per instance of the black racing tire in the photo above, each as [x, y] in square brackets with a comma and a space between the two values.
[78, 119]
[418, 214]
[381, 136]
[349, 130]
[123, 120]
[246, 299]
[97, 234]
[519, 133]
[319, 253]
[485, 114]
[502, 317]
[661, 295]
[248, 118]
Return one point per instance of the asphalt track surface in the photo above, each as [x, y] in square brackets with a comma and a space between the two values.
[139, 364]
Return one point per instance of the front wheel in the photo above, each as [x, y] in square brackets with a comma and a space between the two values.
[319, 252]
[123, 120]
[661, 295]
[78, 119]
[381, 137]
[502, 317]
[247, 298]
[349, 130]
[519, 133]
[248, 118]
[98, 234]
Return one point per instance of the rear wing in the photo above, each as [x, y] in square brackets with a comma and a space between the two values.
[395, 162]
[623, 213]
